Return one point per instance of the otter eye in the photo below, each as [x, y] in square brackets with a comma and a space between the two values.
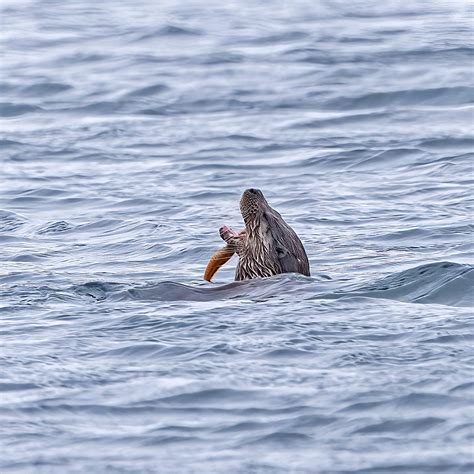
[281, 252]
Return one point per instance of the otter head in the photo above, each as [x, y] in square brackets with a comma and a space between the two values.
[268, 246]
[252, 206]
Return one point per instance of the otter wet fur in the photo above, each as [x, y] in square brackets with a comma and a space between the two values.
[266, 247]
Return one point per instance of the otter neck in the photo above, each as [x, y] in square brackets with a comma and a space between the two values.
[252, 225]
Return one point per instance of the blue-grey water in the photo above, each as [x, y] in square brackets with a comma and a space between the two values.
[129, 131]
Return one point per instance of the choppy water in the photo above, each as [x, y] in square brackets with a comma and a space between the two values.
[130, 130]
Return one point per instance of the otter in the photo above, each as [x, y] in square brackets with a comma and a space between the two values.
[267, 246]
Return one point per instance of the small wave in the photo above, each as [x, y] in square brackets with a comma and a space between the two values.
[401, 426]
[287, 353]
[211, 397]
[383, 159]
[444, 283]
[103, 107]
[170, 31]
[163, 440]
[149, 90]
[464, 387]
[29, 257]
[134, 351]
[55, 227]
[45, 88]
[10, 221]
[439, 96]
[284, 37]
[413, 402]
[11, 387]
[96, 289]
[171, 291]
[435, 283]
[6, 87]
[282, 439]
[255, 290]
[10, 143]
[8, 109]
[309, 55]
[337, 121]
[219, 58]
[43, 192]
[101, 224]
[449, 143]
[82, 57]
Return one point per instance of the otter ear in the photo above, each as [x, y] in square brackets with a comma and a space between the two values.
[288, 262]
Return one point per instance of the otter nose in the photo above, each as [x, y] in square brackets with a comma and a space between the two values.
[252, 191]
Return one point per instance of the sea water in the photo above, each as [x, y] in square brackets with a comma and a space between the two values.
[129, 131]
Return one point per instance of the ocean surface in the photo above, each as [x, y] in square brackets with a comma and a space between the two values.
[129, 131]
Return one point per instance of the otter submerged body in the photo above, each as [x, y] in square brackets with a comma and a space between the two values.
[267, 246]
